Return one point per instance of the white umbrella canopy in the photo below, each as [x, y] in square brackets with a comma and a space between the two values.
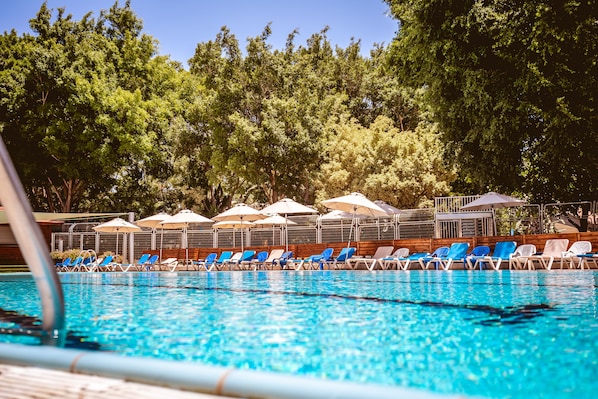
[117, 225]
[286, 207]
[356, 204]
[153, 221]
[493, 200]
[389, 209]
[183, 219]
[240, 212]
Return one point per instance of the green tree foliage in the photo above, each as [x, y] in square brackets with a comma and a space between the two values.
[513, 87]
[95, 120]
[402, 168]
[83, 108]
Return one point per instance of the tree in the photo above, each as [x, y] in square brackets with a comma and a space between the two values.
[403, 168]
[512, 85]
[81, 115]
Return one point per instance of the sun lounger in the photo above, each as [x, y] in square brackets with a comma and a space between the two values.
[518, 259]
[502, 251]
[370, 263]
[404, 263]
[219, 263]
[170, 264]
[456, 253]
[207, 262]
[258, 261]
[343, 257]
[572, 258]
[270, 261]
[553, 248]
[283, 261]
[233, 260]
[476, 252]
[439, 252]
[392, 261]
[316, 261]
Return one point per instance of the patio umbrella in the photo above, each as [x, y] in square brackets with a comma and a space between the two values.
[182, 220]
[493, 201]
[286, 207]
[117, 225]
[356, 204]
[153, 222]
[389, 209]
[273, 221]
[233, 224]
[240, 213]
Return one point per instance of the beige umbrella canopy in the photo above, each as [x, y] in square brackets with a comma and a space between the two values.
[355, 204]
[493, 200]
[240, 213]
[182, 220]
[153, 222]
[389, 209]
[286, 207]
[117, 225]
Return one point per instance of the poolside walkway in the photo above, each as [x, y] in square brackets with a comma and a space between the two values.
[38, 383]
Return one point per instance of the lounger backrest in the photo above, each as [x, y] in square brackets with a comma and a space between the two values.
[65, 262]
[401, 253]
[226, 255]
[144, 258]
[440, 252]
[504, 249]
[211, 258]
[580, 248]
[152, 260]
[262, 256]
[458, 250]
[480, 250]
[555, 247]
[274, 254]
[382, 252]
[247, 255]
[327, 254]
[525, 250]
[345, 254]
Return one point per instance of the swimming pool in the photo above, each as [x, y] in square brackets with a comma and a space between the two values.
[500, 335]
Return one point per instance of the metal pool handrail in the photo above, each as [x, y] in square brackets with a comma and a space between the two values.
[222, 381]
[34, 249]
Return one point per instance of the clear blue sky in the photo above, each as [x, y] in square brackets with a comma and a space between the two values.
[180, 24]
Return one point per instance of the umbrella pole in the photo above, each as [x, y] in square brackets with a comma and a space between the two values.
[161, 241]
[286, 233]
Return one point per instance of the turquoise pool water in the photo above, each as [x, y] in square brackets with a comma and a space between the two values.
[499, 335]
